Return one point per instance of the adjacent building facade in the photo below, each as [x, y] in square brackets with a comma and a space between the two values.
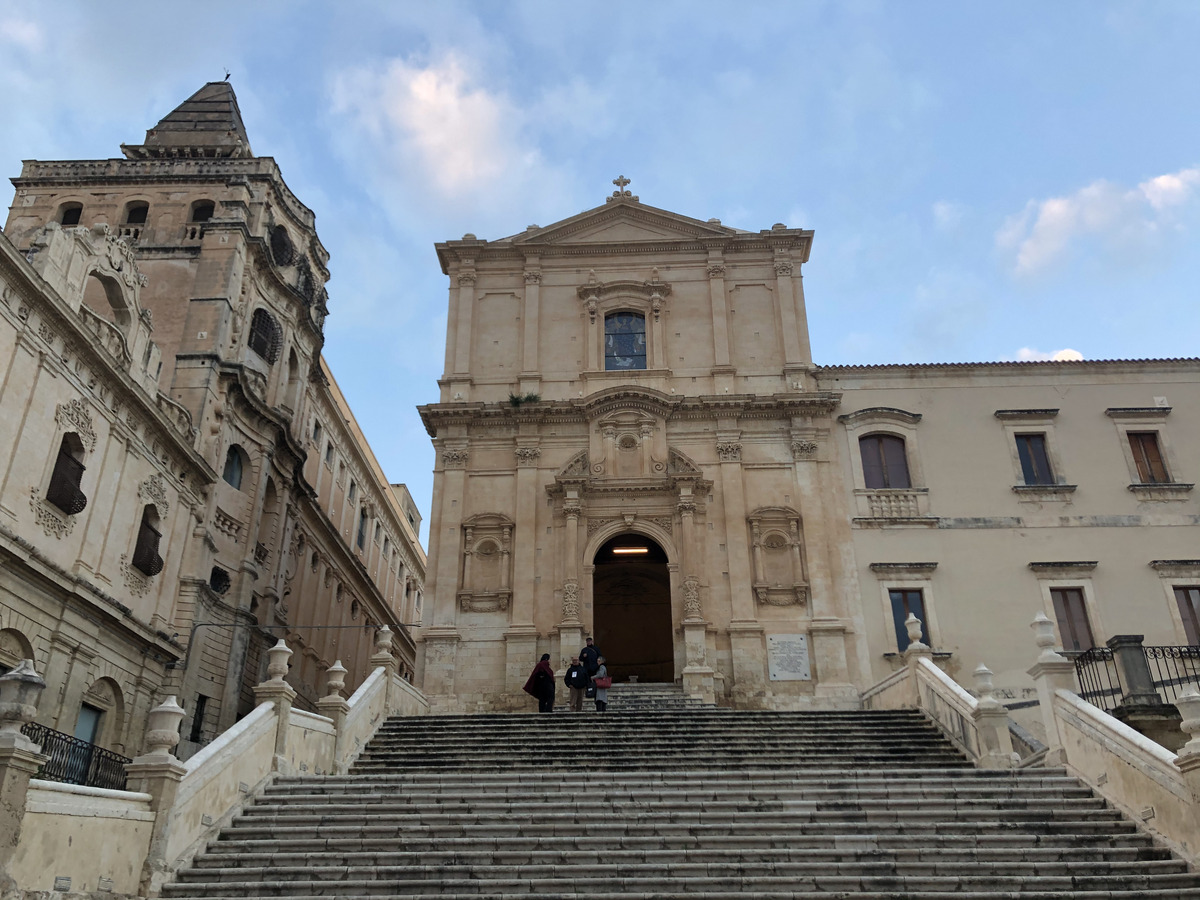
[181, 481]
[633, 442]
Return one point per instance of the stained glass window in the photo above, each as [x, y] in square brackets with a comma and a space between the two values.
[624, 341]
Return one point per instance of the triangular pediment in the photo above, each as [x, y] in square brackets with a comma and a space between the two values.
[623, 221]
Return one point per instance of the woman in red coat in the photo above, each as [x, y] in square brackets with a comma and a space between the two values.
[541, 684]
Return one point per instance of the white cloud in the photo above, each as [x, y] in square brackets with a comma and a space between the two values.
[1028, 354]
[459, 135]
[947, 215]
[1044, 231]
[22, 33]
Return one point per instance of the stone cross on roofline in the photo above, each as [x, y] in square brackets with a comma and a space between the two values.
[620, 193]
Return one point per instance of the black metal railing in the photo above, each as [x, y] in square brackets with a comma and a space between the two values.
[1172, 669]
[75, 761]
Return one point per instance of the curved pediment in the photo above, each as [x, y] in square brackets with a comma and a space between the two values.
[625, 397]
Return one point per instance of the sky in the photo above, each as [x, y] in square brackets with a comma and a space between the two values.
[987, 181]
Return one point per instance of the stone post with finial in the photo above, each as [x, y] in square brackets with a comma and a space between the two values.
[913, 654]
[1050, 673]
[382, 658]
[20, 758]
[1188, 760]
[335, 706]
[991, 724]
[157, 772]
[278, 692]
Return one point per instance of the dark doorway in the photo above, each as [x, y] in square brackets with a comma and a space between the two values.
[631, 595]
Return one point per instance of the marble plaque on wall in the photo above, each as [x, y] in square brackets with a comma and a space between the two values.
[787, 657]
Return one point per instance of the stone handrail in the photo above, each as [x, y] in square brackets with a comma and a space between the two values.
[950, 707]
[893, 692]
[144, 836]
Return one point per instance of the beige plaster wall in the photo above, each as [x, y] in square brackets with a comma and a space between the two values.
[84, 834]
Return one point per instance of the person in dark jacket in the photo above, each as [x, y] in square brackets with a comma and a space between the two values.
[541, 684]
[577, 682]
[589, 656]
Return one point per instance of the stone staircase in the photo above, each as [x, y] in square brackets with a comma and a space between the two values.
[657, 799]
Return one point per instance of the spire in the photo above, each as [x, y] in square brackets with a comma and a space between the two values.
[206, 124]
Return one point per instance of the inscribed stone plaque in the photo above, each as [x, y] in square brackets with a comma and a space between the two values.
[787, 657]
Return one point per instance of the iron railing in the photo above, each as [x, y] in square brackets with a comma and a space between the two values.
[75, 761]
[1171, 670]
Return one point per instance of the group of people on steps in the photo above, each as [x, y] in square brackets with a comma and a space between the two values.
[584, 676]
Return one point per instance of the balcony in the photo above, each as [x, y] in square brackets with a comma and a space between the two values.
[75, 761]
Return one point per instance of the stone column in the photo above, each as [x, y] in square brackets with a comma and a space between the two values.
[991, 723]
[158, 773]
[335, 707]
[441, 636]
[720, 309]
[530, 379]
[697, 674]
[464, 314]
[1050, 673]
[20, 758]
[520, 638]
[282, 695]
[745, 632]
[570, 629]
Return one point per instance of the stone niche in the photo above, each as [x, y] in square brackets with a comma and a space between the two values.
[485, 579]
[777, 544]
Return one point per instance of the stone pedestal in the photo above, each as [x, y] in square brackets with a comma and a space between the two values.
[829, 656]
[1188, 760]
[17, 765]
[991, 724]
[697, 674]
[749, 663]
[520, 654]
[1051, 673]
[441, 654]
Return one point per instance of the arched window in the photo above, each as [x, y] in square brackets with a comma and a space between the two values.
[145, 553]
[266, 337]
[235, 466]
[136, 212]
[64, 491]
[202, 210]
[70, 213]
[624, 341]
[884, 462]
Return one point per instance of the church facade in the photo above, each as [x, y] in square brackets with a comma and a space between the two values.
[634, 443]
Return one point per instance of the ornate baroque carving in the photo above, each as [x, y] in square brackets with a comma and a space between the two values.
[716, 270]
[783, 267]
[153, 490]
[691, 599]
[578, 465]
[533, 277]
[455, 459]
[74, 416]
[570, 602]
[138, 584]
[729, 451]
[666, 523]
[804, 449]
[528, 456]
[466, 278]
[54, 523]
[595, 525]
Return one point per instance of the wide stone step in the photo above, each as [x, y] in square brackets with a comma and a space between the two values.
[1096, 859]
[784, 894]
[388, 883]
[607, 872]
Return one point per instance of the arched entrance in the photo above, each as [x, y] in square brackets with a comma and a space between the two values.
[631, 597]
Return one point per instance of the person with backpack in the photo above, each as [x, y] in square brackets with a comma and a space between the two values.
[577, 681]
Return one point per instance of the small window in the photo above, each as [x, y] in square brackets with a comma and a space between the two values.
[378, 532]
[353, 492]
[387, 549]
[266, 337]
[317, 433]
[1188, 599]
[329, 453]
[235, 466]
[884, 462]
[70, 213]
[203, 210]
[87, 726]
[624, 341]
[136, 212]
[197, 731]
[903, 603]
[64, 491]
[218, 580]
[362, 529]
[1035, 463]
[145, 553]
[1071, 612]
[1148, 458]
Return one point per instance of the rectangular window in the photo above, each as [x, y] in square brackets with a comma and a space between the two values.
[353, 492]
[378, 531]
[329, 453]
[903, 603]
[1035, 463]
[362, 529]
[316, 432]
[197, 732]
[87, 726]
[1073, 627]
[1188, 599]
[1147, 457]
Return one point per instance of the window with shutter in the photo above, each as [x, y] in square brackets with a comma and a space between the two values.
[266, 337]
[64, 491]
[1148, 457]
[1071, 612]
[145, 554]
[884, 462]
